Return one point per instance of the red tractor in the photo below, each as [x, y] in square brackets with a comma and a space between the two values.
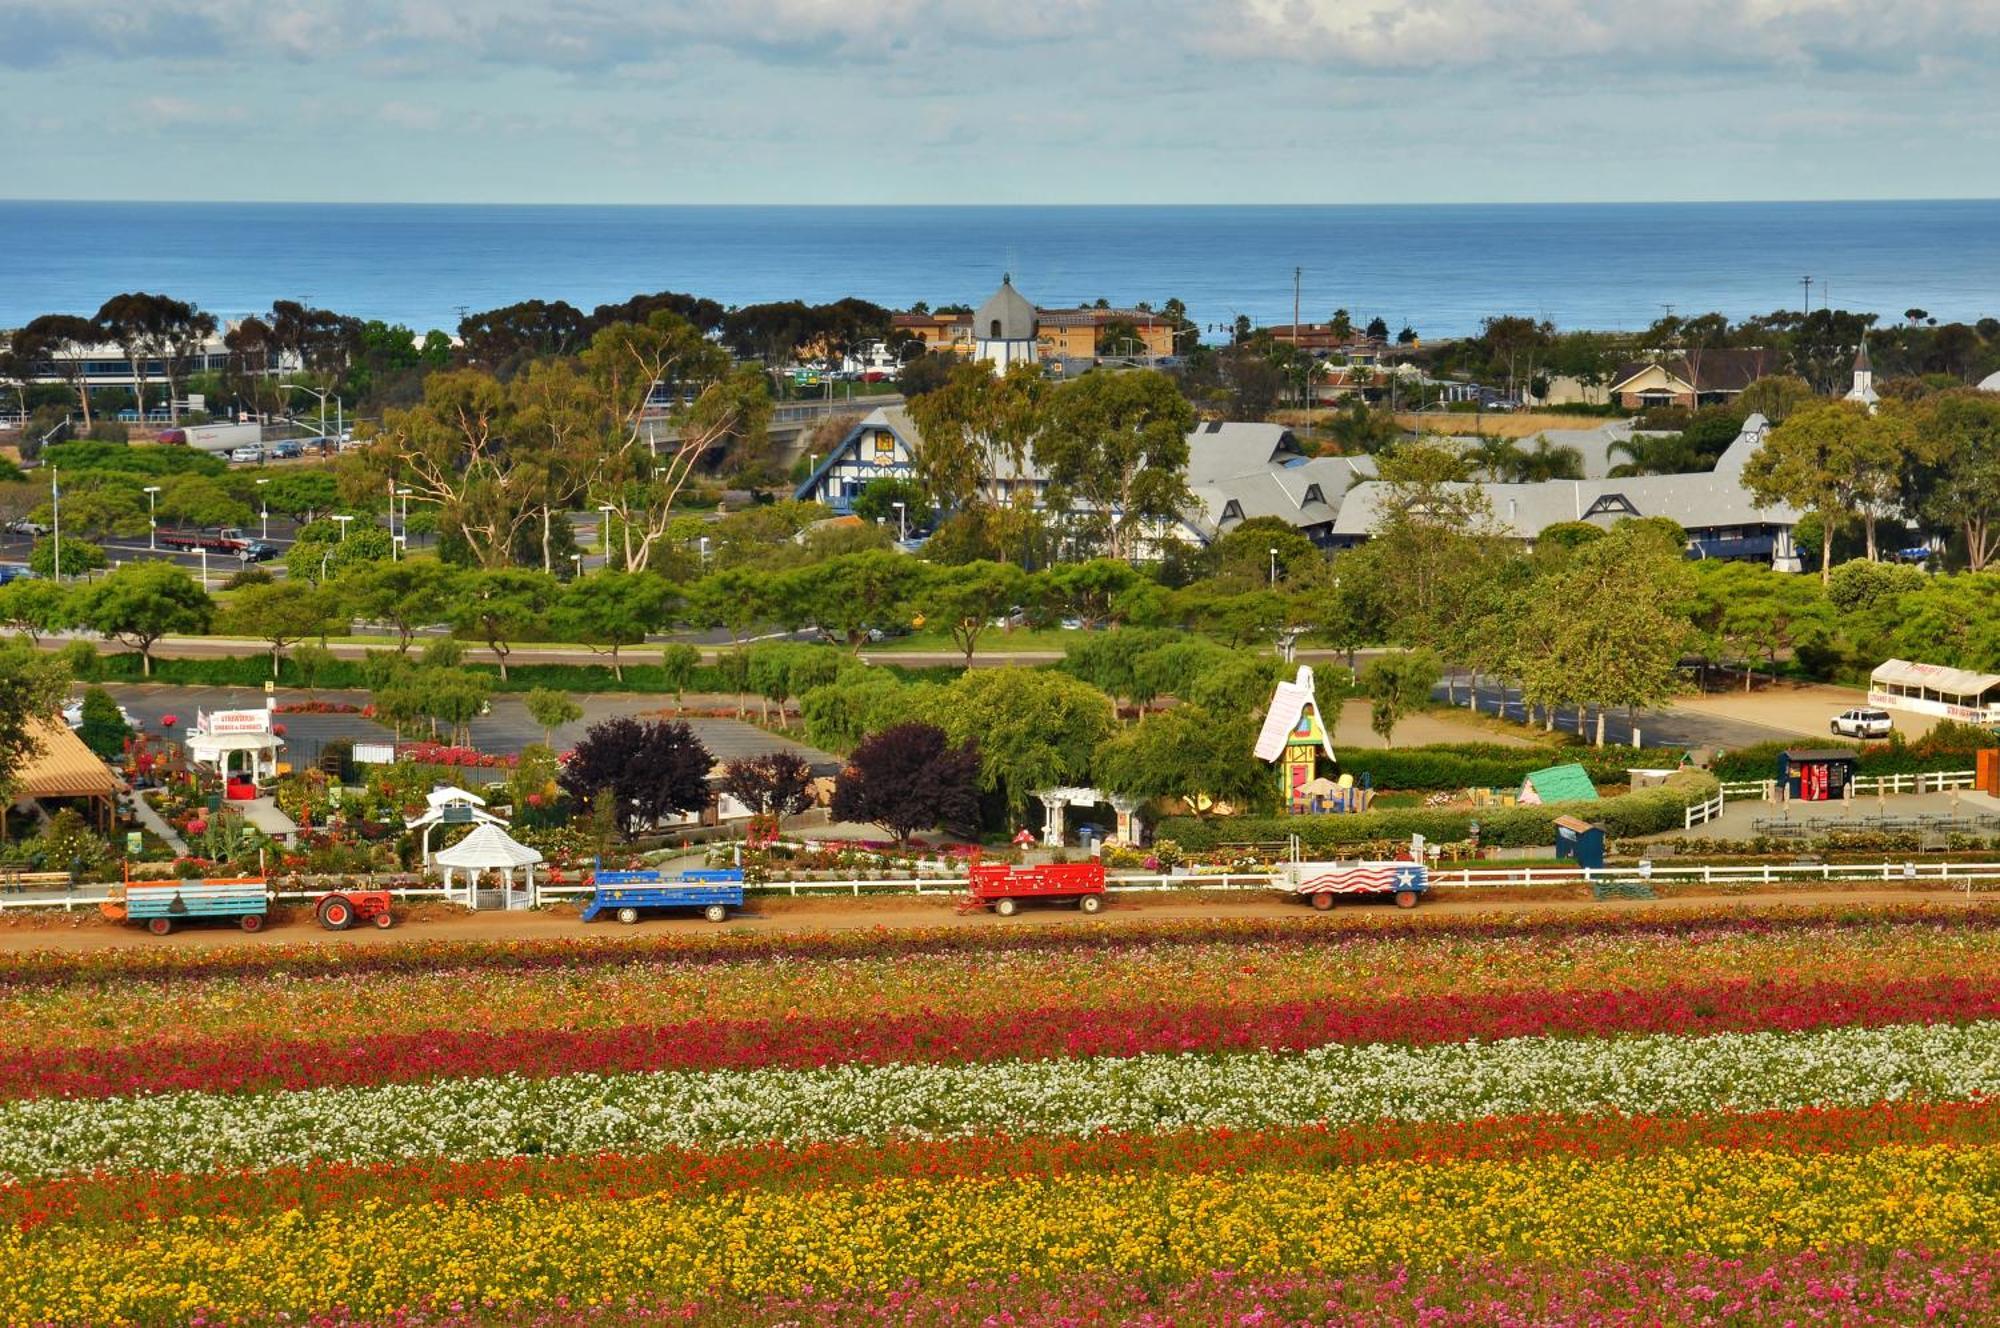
[345, 908]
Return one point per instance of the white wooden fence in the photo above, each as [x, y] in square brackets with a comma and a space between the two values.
[1700, 813]
[1966, 875]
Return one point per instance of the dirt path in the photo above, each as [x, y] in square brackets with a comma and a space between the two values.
[81, 933]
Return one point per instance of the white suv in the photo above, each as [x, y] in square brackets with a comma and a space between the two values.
[1862, 724]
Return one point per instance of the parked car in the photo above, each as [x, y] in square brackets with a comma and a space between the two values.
[246, 454]
[72, 713]
[1863, 723]
[15, 572]
[27, 527]
[286, 449]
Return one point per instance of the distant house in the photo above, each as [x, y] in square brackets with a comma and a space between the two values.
[1010, 329]
[1719, 514]
[1706, 378]
[1236, 471]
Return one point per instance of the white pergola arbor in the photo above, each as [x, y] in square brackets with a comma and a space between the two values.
[490, 849]
[1056, 803]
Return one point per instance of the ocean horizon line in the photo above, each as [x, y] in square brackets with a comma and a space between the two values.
[1842, 201]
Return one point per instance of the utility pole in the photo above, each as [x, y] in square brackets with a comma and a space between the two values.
[55, 522]
[1807, 282]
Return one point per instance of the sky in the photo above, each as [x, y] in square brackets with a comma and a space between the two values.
[1007, 101]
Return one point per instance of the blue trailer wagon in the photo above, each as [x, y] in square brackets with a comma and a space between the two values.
[629, 895]
[164, 905]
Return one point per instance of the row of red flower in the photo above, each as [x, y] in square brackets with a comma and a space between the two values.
[44, 968]
[136, 1197]
[253, 1063]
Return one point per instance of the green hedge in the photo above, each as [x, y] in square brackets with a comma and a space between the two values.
[1948, 747]
[1489, 765]
[1647, 812]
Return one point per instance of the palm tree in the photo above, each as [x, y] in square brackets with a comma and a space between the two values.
[1549, 462]
[1494, 458]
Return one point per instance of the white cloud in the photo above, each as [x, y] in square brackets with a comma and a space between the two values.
[561, 34]
[1412, 35]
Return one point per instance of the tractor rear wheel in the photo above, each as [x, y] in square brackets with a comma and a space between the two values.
[1322, 901]
[628, 916]
[716, 913]
[1090, 903]
[1006, 908]
[1406, 899]
[336, 913]
[160, 926]
[251, 922]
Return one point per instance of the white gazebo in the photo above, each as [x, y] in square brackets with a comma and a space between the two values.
[219, 735]
[489, 848]
[450, 806]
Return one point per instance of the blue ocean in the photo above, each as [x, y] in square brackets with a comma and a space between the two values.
[1439, 269]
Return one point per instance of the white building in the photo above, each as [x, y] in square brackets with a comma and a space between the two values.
[1004, 329]
[1863, 391]
[1933, 689]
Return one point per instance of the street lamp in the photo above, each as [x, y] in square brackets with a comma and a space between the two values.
[152, 522]
[343, 518]
[1274, 567]
[605, 511]
[264, 514]
[339, 418]
[404, 521]
[902, 523]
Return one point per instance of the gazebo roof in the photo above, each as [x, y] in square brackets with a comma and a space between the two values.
[487, 848]
[62, 766]
[451, 794]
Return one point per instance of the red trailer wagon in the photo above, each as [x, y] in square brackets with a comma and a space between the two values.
[1002, 888]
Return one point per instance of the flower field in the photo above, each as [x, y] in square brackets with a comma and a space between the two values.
[1687, 1118]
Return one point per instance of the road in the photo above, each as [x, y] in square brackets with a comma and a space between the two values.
[1672, 726]
[86, 932]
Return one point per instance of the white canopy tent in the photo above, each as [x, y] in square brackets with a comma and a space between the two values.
[490, 849]
[1933, 689]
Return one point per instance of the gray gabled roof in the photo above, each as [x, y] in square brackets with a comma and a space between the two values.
[1006, 306]
[1306, 494]
[1696, 501]
[1217, 449]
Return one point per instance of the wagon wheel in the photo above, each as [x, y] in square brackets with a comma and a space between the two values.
[1006, 908]
[1322, 901]
[1406, 899]
[251, 922]
[336, 913]
[628, 916]
[160, 926]
[716, 913]
[384, 921]
[1090, 903]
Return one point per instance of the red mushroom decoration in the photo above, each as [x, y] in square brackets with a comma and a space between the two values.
[166, 721]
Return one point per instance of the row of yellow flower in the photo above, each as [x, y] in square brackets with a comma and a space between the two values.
[1561, 1208]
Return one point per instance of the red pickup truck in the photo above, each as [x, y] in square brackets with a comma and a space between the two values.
[228, 541]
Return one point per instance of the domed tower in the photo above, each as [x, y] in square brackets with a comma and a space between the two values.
[1003, 331]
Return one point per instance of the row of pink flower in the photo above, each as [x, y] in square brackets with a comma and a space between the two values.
[1846, 1288]
[253, 1062]
[47, 968]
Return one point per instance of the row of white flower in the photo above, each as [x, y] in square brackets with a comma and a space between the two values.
[497, 1117]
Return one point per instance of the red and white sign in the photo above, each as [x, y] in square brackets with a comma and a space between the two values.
[237, 721]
